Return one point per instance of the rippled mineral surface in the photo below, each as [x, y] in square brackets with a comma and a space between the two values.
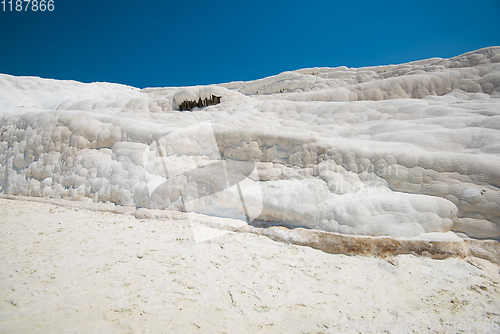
[406, 151]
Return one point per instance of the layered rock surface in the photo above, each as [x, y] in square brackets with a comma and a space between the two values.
[400, 150]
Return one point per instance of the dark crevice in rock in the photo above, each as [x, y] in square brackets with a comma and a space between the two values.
[190, 105]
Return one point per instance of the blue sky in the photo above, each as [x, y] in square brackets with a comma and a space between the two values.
[178, 43]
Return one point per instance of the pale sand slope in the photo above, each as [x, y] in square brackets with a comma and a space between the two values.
[76, 271]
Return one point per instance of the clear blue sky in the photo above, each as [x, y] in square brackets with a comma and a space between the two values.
[178, 43]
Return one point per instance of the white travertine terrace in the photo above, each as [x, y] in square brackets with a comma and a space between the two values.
[401, 150]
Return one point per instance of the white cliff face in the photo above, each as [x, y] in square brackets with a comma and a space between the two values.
[397, 150]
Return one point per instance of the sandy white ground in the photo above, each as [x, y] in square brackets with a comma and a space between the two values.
[68, 270]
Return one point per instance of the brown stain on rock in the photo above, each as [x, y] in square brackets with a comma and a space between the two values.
[383, 246]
